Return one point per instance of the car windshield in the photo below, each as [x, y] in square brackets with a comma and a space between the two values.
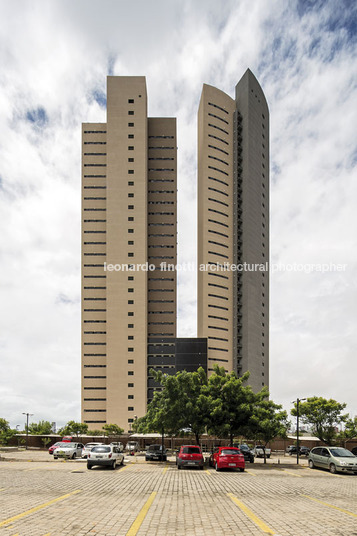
[341, 453]
[229, 452]
[154, 447]
[68, 445]
[191, 450]
[101, 449]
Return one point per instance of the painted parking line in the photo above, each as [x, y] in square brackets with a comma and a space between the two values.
[207, 471]
[2, 489]
[250, 473]
[251, 515]
[141, 516]
[37, 508]
[290, 473]
[165, 469]
[331, 506]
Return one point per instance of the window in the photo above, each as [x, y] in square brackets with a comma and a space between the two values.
[130, 230]
[130, 408]
[130, 337]
[130, 194]
[130, 385]
[130, 326]
[130, 278]
[131, 101]
[130, 254]
[130, 361]
[130, 159]
[130, 124]
[130, 112]
[131, 171]
[130, 373]
[130, 397]
[131, 147]
[130, 313]
[130, 136]
[130, 349]
[130, 218]
[130, 302]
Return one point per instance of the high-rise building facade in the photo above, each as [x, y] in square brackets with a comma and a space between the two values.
[129, 246]
[129, 192]
[233, 229]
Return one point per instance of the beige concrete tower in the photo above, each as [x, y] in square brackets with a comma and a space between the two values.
[120, 245]
[233, 228]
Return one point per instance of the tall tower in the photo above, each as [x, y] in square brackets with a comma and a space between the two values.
[128, 229]
[233, 229]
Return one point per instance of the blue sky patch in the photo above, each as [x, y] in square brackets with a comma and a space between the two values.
[100, 98]
[38, 117]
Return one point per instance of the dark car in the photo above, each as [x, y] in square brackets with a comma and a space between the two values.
[156, 452]
[292, 449]
[354, 451]
[247, 453]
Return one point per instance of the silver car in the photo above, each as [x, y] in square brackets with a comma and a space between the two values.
[105, 455]
[88, 447]
[334, 459]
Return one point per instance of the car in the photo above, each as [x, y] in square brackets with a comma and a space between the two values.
[55, 446]
[132, 447]
[156, 452]
[336, 459]
[259, 451]
[227, 458]
[119, 445]
[292, 449]
[88, 447]
[247, 453]
[106, 455]
[354, 451]
[190, 456]
[68, 450]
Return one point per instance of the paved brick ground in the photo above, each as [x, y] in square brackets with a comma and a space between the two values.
[185, 503]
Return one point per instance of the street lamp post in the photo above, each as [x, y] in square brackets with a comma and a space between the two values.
[298, 400]
[27, 426]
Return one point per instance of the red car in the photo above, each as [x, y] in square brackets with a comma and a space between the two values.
[227, 458]
[190, 456]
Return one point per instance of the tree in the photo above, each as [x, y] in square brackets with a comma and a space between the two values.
[268, 420]
[181, 404]
[231, 403]
[73, 427]
[6, 433]
[350, 431]
[322, 415]
[40, 428]
[113, 429]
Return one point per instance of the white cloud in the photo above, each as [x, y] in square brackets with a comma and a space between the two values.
[55, 57]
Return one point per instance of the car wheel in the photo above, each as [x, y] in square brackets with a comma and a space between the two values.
[217, 468]
[311, 464]
[164, 458]
[114, 464]
[89, 466]
[201, 467]
[241, 469]
[333, 468]
[74, 455]
[122, 461]
[178, 466]
[268, 456]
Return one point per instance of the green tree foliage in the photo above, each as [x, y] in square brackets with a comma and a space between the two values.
[112, 430]
[96, 433]
[268, 420]
[74, 428]
[182, 404]
[231, 403]
[40, 428]
[6, 433]
[323, 416]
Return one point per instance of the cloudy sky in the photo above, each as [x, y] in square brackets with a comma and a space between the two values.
[55, 56]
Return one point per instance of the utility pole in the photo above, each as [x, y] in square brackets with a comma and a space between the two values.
[27, 427]
[297, 402]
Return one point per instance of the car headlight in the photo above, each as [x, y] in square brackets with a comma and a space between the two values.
[343, 463]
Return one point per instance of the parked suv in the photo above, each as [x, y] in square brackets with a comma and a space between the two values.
[105, 455]
[190, 456]
[333, 458]
[292, 449]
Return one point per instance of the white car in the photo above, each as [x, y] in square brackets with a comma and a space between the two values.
[88, 447]
[68, 450]
[105, 455]
[119, 445]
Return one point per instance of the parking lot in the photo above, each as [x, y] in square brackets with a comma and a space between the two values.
[46, 497]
